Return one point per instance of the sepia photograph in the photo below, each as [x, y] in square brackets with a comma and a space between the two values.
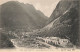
[45, 25]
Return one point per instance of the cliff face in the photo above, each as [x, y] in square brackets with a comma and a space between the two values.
[61, 7]
[18, 15]
[67, 13]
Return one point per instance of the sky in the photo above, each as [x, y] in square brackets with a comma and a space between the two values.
[45, 6]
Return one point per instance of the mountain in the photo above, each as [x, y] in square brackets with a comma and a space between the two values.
[61, 7]
[67, 25]
[63, 23]
[16, 15]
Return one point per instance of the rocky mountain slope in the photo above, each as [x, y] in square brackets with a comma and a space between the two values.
[21, 16]
[67, 25]
[16, 16]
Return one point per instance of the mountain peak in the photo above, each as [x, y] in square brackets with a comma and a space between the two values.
[12, 2]
[15, 14]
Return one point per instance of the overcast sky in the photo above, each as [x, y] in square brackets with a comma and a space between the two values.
[46, 6]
